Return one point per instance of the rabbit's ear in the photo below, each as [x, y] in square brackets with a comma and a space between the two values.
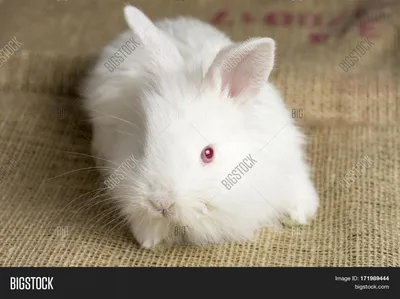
[243, 68]
[165, 52]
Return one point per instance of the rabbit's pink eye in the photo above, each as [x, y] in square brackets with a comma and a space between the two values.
[207, 155]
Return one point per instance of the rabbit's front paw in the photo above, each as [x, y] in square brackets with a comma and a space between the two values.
[305, 204]
[148, 237]
[148, 241]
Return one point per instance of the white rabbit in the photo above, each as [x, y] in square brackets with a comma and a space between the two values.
[216, 154]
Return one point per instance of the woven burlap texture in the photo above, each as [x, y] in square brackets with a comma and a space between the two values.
[49, 219]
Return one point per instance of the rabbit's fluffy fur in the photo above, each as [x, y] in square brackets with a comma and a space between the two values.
[184, 87]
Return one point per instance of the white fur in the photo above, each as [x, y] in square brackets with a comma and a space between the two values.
[171, 98]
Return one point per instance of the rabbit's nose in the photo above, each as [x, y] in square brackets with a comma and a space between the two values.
[164, 212]
[163, 204]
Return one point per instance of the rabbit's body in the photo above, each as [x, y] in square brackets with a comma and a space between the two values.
[166, 108]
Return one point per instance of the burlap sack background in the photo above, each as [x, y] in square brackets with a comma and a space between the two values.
[52, 220]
